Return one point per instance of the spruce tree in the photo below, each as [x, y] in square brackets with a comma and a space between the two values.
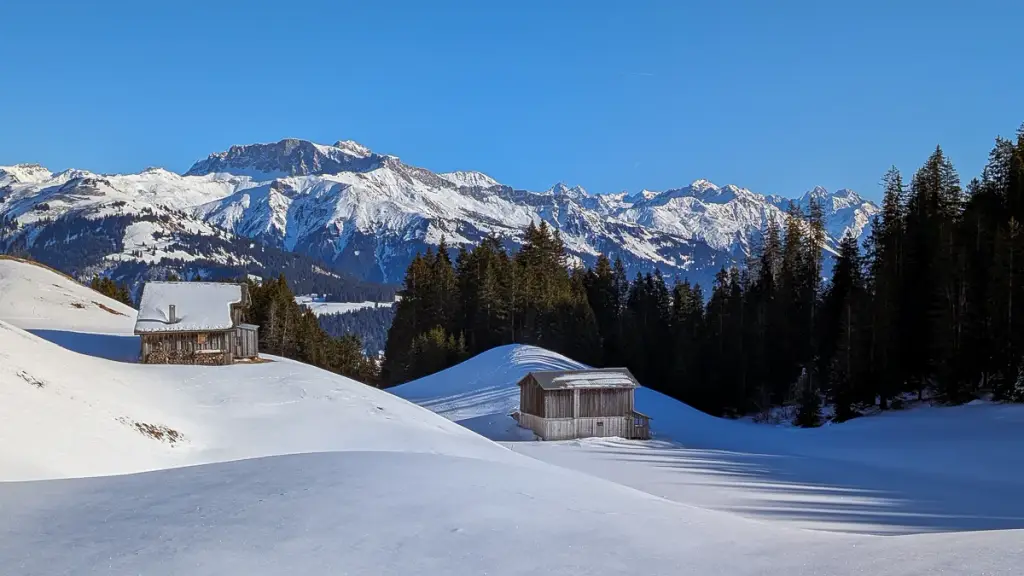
[808, 413]
[1017, 394]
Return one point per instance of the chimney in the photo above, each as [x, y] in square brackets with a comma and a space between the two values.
[171, 316]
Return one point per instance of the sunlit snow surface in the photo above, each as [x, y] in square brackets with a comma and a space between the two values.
[923, 470]
[281, 468]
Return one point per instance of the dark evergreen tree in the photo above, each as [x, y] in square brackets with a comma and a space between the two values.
[808, 414]
[291, 330]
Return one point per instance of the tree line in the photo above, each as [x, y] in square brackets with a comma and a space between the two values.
[369, 324]
[933, 300]
[291, 330]
[120, 292]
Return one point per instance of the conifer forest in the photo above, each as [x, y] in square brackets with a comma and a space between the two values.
[931, 302]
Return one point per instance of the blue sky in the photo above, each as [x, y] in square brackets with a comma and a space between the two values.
[775, 96]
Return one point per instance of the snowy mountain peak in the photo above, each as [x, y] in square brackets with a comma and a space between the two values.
[705, 191]
[640, 196]
[469, 179]
[561, 189]
[23, 173]
[368, 213]
[841, 199]
[288, 157]
[702, 185]
[353, 148]
[818, 193]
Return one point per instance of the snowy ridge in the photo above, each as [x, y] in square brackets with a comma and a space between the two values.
[368, 213]
[470, 179]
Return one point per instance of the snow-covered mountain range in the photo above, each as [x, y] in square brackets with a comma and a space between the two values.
[356, 211]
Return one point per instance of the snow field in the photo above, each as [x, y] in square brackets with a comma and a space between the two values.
[283, 468]
[923, 470]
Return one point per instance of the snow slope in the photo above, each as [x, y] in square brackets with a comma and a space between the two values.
[926, 470]
[223, 413]
[282, 468]
[34, 297]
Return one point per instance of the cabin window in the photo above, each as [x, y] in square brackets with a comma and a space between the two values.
[201, 338]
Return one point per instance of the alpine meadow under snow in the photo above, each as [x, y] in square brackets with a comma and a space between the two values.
[113, 467]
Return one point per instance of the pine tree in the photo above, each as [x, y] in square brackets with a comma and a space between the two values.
[1017, 394]
[603, 298]
[886, 282]
[808, 414]
[842, 340]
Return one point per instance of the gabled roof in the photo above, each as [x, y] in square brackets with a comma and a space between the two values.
[198, 306]
[588, 378]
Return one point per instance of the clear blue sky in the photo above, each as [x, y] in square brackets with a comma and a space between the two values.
[774, 96]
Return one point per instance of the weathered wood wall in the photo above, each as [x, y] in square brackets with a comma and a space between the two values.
[532, 422]
[531, 397]
[558, 404]
[187, 348]
[246, 342]
[569, 428]
[604, 402]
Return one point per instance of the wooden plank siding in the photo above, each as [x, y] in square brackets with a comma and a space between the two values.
[246, 341]
[604, 402]
[531, 398]
[558, 404]
[188, 348]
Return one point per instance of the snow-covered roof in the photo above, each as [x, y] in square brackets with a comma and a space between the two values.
[198, 306]
[589, 378]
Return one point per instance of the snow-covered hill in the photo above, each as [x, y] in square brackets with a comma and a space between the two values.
[368, 213]
[35, 297]
[281, 468]
[923, 470]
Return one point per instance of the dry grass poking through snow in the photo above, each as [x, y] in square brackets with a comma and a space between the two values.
[104, 307]
[155, 431]
[30, 379]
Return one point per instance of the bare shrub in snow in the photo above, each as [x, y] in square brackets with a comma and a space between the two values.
[106, 309]
[155, 431]
[30, 379]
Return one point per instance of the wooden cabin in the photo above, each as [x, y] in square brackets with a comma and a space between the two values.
[195, 323]
[566, 404]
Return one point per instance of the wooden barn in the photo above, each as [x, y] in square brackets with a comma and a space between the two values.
[195, 323]
[565, 404]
